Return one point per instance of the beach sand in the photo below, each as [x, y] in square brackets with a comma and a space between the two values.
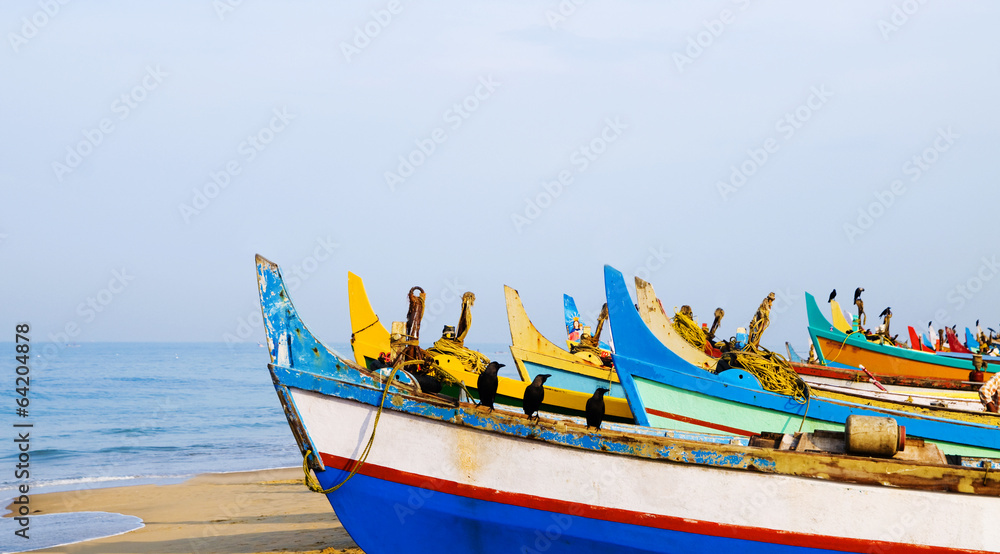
[229, 513]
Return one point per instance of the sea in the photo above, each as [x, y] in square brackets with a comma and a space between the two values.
[121, 414]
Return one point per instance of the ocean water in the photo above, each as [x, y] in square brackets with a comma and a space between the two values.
[114, 414]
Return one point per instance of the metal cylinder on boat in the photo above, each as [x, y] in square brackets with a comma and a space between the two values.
[874, 436]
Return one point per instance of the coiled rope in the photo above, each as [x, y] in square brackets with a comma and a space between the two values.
[774, 373]
[689, 330]
[313, 483]
[475, 361]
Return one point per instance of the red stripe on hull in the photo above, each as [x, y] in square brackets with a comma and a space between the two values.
[706, 424]
[656, 521]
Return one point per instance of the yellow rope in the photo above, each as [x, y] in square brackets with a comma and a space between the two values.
[841, 349]
[311, 480]
[689, 330]
[475, 361]
[774, 373]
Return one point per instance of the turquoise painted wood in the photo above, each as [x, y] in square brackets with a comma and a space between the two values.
[748, 407]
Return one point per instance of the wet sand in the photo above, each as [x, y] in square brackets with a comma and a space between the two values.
[232, 513]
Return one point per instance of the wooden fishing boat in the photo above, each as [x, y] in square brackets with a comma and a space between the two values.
[664, 390]
[370, 339]
[926, 392]
[835, 346]
[534, 355]
[408, 471]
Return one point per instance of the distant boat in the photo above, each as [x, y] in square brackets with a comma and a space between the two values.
[835, 346]
[414, 472]
[664, 390]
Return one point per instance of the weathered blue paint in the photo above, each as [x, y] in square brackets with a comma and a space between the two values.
[288, 335]
[638, 353]
[518, 426]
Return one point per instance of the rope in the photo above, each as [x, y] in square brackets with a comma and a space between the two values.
[774, 373]
[841, 349]
[689, 330]
[313, 483]
[475, 361]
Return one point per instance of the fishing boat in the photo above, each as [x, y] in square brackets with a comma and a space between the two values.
[535, 355]
[415, 472]
[370, 339]
[664, 390]
[941, 393]
[835, 346]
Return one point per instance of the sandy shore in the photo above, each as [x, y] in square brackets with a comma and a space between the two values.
[251, 512]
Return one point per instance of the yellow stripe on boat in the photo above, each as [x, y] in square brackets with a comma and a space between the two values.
[840, 323]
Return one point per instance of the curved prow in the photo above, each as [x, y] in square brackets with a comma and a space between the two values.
[840, 322]
[369, 337]
[915, 341]
[814, 315]
[970, 341]
[569, 308]
[633, 339]
[525, 336]
[289, 341]
[658, 322]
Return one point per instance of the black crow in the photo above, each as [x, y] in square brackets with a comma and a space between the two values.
[595, 409]
[861, 306]
[533, 395]
[832, 295]
[487, 384]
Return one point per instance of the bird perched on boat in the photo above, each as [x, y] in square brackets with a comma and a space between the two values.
[595, 409]
[832, 295]
[487, 384]
[533, 395]
[886, 315]
[861, 306]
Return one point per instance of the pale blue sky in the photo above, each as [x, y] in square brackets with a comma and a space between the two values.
[641, 121]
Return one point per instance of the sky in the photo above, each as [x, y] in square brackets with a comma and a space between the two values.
[722, 150]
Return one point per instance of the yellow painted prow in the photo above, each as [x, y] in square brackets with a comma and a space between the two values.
[369, 337]
[840, 323]
[525, 337]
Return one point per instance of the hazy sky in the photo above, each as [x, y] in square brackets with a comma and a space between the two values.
[721, 149]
